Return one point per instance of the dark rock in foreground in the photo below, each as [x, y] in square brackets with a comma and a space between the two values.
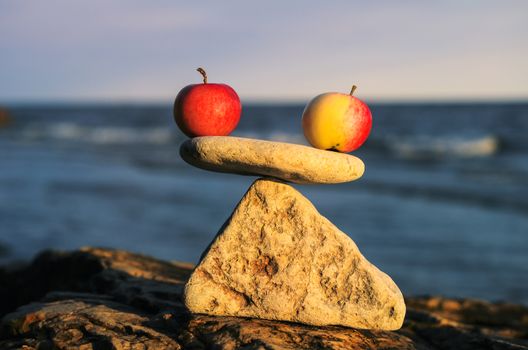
[5, 118]
[106, 299]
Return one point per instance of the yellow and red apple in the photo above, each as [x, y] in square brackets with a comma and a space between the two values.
[337, 121]
[207, 109]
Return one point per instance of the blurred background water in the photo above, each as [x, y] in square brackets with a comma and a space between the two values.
[442, 207]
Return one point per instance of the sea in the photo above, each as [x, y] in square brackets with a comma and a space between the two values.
[442, 206]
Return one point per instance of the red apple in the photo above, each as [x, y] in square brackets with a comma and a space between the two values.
[336, 121]
[207, 109]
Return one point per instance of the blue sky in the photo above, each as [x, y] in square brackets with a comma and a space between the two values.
[127, 50]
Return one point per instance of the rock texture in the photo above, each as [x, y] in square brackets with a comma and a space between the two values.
[286, 161]
[5, 118]
[277, 258]
[106, 299]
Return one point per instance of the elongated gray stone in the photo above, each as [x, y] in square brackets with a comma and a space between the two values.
[286, 161]
[277, 258]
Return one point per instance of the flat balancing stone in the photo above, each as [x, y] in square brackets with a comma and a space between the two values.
[286, 161]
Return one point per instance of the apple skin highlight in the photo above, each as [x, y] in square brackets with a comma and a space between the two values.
[336, 121]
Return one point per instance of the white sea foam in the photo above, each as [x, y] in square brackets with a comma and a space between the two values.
[423, 147]
[428, 147]
[101, 135]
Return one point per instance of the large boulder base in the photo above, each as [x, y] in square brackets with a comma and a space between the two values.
[110, 299]
[285, 161]
[277, 258]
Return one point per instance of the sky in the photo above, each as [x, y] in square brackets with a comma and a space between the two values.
[142, 51]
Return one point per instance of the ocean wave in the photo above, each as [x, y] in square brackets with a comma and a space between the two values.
[101, 135]
[66, 131]
[484, 197]
[443, 147]
[412, 148]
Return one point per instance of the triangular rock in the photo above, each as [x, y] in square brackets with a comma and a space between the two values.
[277, 258]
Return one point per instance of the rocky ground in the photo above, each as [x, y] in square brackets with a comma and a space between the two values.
[108, 299]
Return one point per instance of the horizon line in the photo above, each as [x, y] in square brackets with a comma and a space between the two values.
[259, 101]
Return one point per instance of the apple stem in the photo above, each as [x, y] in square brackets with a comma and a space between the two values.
[354, 87]
[203, 73]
